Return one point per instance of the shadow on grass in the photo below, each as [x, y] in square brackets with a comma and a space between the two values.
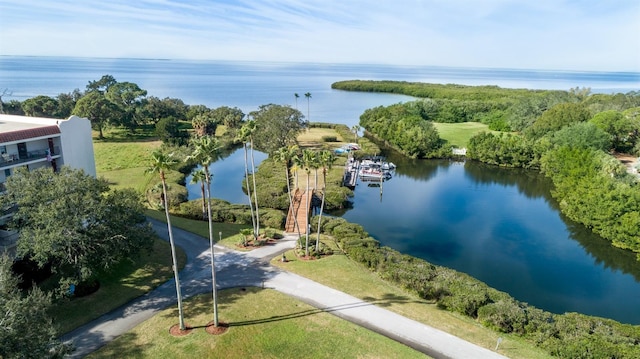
[127, 346]
[387, 300]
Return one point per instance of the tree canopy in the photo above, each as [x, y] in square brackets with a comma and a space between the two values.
[72, 221]
[277, 126]
[27, 330]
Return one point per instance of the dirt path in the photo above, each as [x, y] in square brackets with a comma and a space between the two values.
[631, 162]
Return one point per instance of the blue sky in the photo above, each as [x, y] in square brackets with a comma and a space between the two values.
[536, 34]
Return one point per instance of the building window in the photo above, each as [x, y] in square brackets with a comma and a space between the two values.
[3, 149]
[7, 172]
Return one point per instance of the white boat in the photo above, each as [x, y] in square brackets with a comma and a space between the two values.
[373, 174]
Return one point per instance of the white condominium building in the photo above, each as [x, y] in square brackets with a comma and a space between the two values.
[35, 142]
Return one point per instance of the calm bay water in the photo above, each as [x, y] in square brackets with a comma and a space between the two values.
[500, 226]
[248, 85]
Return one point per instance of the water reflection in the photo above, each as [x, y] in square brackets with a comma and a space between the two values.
[228, 174]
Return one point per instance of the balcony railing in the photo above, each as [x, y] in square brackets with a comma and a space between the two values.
[8, 159]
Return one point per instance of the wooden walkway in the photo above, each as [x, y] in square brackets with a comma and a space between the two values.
[297, 212]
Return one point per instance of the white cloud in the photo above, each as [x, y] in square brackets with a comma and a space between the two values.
[587, 35]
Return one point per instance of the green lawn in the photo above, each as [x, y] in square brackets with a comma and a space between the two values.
[123, 164]
[262, 324]
[458, 134]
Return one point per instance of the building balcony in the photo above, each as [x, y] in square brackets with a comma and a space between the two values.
[13, 159]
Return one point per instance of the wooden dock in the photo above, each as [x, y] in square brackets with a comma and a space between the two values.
[297, 217]
[350, 177]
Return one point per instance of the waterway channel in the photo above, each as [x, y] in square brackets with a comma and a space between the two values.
[498, 225]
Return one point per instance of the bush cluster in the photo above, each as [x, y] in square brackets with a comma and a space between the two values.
[223, 211]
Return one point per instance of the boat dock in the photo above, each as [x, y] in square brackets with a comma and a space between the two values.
[350, 177]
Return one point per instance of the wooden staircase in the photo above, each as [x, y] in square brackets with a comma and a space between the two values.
[298, 212]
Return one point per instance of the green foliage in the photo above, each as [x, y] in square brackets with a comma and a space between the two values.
[73, 221]
[40, 106]
[590, 188]
[204, 125]
[408, 132]
[503, 149]
[557, 117]
[432, 91]
[27, 330]
[13, 107]
[129, 98]
[622, 129]
[98, 109]
[155, 109]
[230, 117]
[168, 130]
[581, 135]
[223, 211]
[277, 127]
[329, 138]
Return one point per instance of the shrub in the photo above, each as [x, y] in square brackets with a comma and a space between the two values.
[465, 295]
[506, 316]
[272, 218]
[329, 138]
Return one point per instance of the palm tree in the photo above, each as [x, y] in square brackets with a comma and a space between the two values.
[251, 129]
[355, 130]
[326, 160]
[308, 96]
[296, 96]
[315, 166]
[160, 163]
[205, 152]
[285, 155]
[243, 135]
[199, 176]
[308, 157]
[199, 124]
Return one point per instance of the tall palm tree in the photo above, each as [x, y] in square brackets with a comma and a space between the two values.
[315, 166]
[199, 176]
[251, 129]
[161, 162]
[308, 157]
[243, 135]
[326, 160]
[296, 96]
[285, 155]
[308, 96]
[205, 152]
[355, 130]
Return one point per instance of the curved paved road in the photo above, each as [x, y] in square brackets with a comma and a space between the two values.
[235, 269]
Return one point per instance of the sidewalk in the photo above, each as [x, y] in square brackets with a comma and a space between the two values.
[234, 269]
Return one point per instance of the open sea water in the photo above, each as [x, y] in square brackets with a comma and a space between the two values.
[247, 85]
